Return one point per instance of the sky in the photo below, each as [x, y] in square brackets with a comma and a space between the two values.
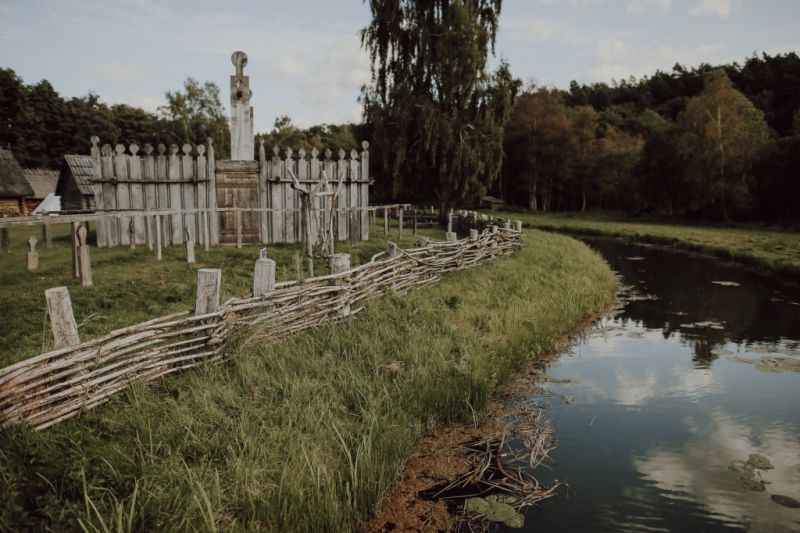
[305, 59]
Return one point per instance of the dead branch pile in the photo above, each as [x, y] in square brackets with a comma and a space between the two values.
[58, 385]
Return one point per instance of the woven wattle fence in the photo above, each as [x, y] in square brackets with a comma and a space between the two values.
[58, 385]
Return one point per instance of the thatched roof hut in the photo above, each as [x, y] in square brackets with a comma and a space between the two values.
[14, 188]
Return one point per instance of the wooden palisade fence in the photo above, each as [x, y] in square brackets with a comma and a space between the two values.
[58, 385]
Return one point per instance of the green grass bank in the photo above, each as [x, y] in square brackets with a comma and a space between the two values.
[770, 249]
[310, 434]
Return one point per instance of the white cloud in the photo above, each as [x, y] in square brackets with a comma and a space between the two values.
[148, 103]
[539, 29]
[616, 59]
[636, 7]
[720, 8]
[345, 68]
[117, 72]
[287, 67]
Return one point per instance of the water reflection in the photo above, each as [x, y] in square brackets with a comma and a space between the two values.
[698, 471]
[667, 395]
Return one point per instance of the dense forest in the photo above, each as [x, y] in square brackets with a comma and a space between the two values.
[711, 142]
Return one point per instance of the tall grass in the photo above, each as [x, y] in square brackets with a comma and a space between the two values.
[310, 434]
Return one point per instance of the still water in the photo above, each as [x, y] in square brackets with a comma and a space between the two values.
[666, 393]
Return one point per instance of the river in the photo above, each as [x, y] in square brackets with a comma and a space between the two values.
[693, 373]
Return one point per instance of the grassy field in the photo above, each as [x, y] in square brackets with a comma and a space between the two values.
[310, 434]
[774, 250]
[130, 286]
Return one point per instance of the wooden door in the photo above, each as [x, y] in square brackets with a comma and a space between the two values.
[236, 187]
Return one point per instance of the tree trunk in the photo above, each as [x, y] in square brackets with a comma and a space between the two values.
[583, 201]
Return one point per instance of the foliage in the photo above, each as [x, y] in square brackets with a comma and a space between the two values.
[434, 111]
[723, 134]
[285, 134]
[196, 113]
[309, 434]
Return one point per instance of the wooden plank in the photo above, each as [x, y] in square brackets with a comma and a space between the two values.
[137, 192]
[109, 195]
[189, 192]
[264, 275]
[150, 191]
[209, 283]
[202, 196]
[213, 222]
[263, 198]
[162, 191]
[342, 218]
[123, 192]
[175, 200]
[62, 319]
[355, 201]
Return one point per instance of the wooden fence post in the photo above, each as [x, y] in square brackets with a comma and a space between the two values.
[507, 224]
[206, 232]
[148, 232]
[33, 255]
[84, 262]
[354, 234]
[400, 223]
[189, 245]
[158, 237]
[47, 235]
[264, 275]
[238, 218]
[423, 242]
[391, 249]
[415, 221]
[450, 221]
[132, 232]
[451, 236]
[339, 263]
[209, 283]
[385, 222]
[76, 273]
[62, 320]
[473, 235]
[518, 225]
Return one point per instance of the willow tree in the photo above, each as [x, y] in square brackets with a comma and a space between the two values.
[436, 113]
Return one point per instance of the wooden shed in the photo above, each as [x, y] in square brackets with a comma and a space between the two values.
[43, 181]
[492, 202]
[74, 182]
[14, 188]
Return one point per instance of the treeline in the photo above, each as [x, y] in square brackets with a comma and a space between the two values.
[41, 126]
[709, 142]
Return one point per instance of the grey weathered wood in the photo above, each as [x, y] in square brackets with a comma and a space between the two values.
[148, 231]
[518, 225]
[84, 261]
[414, 229]
[213, 222]
[354, 233]
[473, 235]
[162, 192]
[136, 184]
[189, 240]
[158, 237]
[391, 249]
[201, 190]
[451, 236]
[33, 255]
[189, 191]
[238, 217]
[150, 191]
[400, 223]
[450, 221]
[123, 192]
[206, 231]
[209, 284]
[174, 174]
[264, 275]
[337, 264]
[47, 235]
[76, 273]
[507, 224]
[132, 233]
[386, 222]
[62, 320]
[109, 196]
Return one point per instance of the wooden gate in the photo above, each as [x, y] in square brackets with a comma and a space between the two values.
[237, 187]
